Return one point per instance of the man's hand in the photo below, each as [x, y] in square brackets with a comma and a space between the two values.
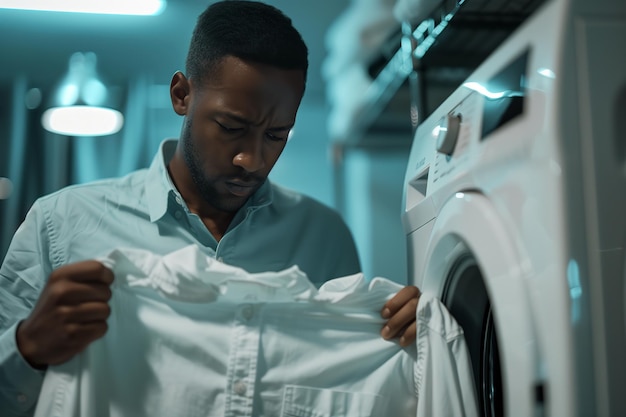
[71, 312]
[400, 310]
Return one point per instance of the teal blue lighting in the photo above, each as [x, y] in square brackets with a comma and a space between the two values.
[575, 289]
[123, 7]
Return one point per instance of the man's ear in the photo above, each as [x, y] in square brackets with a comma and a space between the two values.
[180, 93]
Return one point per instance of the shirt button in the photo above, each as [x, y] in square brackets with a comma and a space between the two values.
[178, 214]
[247, 312]
[179, 201]
[240, 388]
[21, 398]
[220, 259]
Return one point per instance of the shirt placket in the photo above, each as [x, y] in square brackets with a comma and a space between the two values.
[242, 362]
[224, 244]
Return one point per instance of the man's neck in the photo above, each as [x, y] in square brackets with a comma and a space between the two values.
[216, 221]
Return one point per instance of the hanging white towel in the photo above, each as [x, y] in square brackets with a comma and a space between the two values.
[414, 11]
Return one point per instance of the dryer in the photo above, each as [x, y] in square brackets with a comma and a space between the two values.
[514, 206]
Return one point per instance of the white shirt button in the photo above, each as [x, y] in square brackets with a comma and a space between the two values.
[21, 398]
[240, 388]
[220, 259]
[247, 312]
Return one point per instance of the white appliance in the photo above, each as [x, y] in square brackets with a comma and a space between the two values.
[514, 209]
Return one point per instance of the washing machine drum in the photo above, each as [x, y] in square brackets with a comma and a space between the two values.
[466, 298]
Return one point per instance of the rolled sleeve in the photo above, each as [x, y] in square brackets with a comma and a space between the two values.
[19, 382]
[22, 275]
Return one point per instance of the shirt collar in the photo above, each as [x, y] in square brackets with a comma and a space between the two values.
[159, 185]
[262, 197]
[160, 188]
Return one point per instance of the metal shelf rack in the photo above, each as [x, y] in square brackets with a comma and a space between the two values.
[438, 52]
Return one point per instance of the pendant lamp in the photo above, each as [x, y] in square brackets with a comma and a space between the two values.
[80, 102]
[124, 7]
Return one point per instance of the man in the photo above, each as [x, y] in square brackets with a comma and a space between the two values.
[246, 72]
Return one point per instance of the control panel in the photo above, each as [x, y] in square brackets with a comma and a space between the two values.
[455, 132]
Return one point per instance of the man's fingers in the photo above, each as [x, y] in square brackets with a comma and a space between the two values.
[86, 333]
[76, 339]
[87, 271]
[73, 293]
[70, 313]
[87, 312]
[409, 335]
[400, 310]
[78, 283]
[403, 296]
[400, 320]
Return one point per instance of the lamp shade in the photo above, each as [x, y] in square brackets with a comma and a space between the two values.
[129, 7]
[80, 102]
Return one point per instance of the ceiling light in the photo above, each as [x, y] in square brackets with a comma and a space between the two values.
[129, 7]
[80, 102]
[82, 121]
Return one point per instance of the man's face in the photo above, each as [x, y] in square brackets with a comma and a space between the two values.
[236, 128]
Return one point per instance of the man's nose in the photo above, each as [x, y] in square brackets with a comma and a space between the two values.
[250, 156]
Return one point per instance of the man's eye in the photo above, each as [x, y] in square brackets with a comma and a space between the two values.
[228, 128]
[275, 138]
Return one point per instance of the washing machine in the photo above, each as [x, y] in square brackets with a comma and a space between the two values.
[514, 206]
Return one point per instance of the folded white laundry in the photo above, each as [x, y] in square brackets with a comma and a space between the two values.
[190, 336]
[414, 11]
[353, 42]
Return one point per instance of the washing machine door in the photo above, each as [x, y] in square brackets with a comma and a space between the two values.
[473, 266]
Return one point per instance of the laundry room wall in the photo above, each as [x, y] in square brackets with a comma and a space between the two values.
[305, 164]
[372, 183]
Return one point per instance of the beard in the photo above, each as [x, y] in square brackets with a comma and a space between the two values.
[207, 185]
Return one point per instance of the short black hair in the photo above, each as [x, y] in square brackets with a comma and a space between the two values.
[248, 30]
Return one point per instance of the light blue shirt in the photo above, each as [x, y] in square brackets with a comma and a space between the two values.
[276, 229]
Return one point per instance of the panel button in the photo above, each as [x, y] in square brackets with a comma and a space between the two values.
[240, 388]
[247, 312]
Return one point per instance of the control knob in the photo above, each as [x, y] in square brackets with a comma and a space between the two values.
[448, 133]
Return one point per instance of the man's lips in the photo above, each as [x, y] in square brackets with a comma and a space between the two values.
[241, 188]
